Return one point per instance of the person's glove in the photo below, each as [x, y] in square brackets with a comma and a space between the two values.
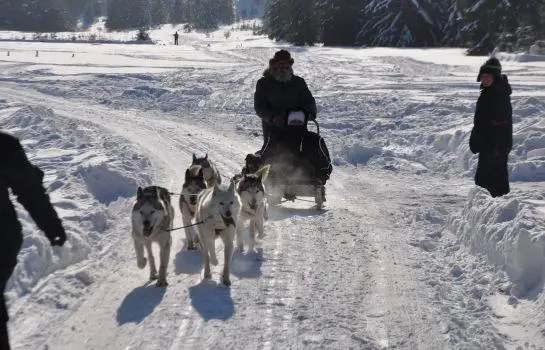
[57, 238]
[279, 120]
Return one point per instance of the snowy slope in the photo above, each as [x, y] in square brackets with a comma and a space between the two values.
[408, 254]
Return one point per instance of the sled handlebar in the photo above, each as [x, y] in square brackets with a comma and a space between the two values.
[317, 126]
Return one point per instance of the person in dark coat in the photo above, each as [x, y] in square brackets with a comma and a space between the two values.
[278, 93]
[176, 38]
[25, 181]
[492, 133]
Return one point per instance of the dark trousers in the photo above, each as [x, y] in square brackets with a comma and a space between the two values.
[492, 173]
[175, 41]
[8, 260]
[4, 340]
[266, 134]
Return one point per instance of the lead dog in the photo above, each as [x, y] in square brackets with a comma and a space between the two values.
[218, 209]
[251, 190]
[194, 185]
[152, 218]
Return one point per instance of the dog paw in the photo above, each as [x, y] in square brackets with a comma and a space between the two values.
[240, 249]
[141, 263]
[207, 276]
[226, 281]
[161, 283]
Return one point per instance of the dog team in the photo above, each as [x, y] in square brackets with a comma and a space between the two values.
[213, 209]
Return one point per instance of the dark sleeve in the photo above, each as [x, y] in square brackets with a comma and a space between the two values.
[25, 180]
[474, 140]
[479, 123]
[261, 104]
[307, 101]
[503, 112]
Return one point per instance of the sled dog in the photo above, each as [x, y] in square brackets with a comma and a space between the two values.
[218, 208]
[211, 174]
[252, 194]
[193, 186]
[152, 218]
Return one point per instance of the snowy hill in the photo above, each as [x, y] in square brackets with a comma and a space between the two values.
[408, 253]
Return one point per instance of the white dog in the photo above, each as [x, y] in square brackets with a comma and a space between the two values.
[251, 190]
[218, 209]
[152, 218]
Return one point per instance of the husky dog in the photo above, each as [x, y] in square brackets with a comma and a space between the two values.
[193, 185]
[253, 163]
[152, 218]
[218, 208]
[252, 194]
[211, 173]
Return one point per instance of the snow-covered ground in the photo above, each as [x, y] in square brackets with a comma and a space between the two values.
[408, 253]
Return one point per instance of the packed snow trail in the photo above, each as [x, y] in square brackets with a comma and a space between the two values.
[307, 256]
[374, 270]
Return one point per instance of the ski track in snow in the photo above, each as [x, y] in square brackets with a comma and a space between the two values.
[388, 264]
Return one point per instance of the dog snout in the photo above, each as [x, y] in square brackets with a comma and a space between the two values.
[193, 199]
[228, 214]
[253, 204]
[146, 223]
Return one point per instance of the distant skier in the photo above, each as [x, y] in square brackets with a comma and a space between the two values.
[492, 133]
[176, 38]
[25, 181]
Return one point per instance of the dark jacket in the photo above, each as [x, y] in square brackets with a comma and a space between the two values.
[493, 121]
[25, 181]
[273, 98]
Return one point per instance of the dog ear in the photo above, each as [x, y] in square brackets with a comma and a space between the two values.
[232, 186]
[206, 156]
[216, 190]
[194, 157]
[187, 173]
[139, 192]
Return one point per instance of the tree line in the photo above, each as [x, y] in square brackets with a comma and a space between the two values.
[65, 15]
[480, 25]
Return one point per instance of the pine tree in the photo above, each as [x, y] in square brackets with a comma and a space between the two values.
[177, 12]
[139, 14]
[486, 23]
[118, 14]
[158, 13]
[303, 24]
[340, 21]
[91, 11]
[275, 20]
[404, 23]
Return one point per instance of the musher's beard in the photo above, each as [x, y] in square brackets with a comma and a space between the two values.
[282, 74]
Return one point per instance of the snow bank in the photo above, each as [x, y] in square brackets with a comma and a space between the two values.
[507, 231]
[357, 153]
[87, 175]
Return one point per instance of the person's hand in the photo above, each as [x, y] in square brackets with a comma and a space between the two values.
[57, 238]
[279, 120]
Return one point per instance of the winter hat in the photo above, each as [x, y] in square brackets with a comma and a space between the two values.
[491, 66]
[281, 55]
